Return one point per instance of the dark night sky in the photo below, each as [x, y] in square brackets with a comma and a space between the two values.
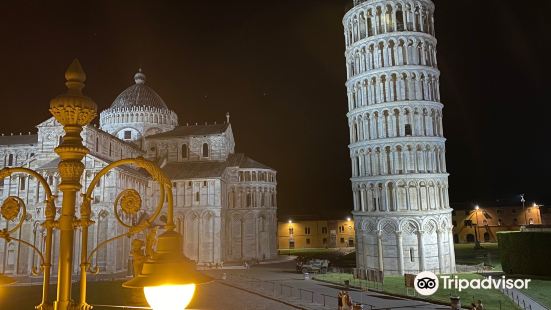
[278, 68]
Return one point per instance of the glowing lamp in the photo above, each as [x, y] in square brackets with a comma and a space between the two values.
[476, 207]
[348, 219]
[168, 278]
[5, 280]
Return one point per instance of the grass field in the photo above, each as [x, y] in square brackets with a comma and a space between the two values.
[540, 290]
[466, 254]
[492, 299]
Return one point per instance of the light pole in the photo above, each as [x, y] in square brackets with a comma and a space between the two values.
[476, 232]
[523, 209]
[167, 277]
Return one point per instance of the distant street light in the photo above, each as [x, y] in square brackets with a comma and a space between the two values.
[523, 209]
[476, 232]
[348, 219]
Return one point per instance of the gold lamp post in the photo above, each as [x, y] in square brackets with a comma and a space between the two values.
[167, 277]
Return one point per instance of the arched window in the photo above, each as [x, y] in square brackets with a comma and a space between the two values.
[97, 144]
[10, 160]
[408, 130]
[184, 151]
[249, 200]
[205, 150]
[22, 183]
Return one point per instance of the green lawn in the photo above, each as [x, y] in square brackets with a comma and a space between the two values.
[492, 299]
[107, 293]
[540, 291]
[466, 254]
[309, 251]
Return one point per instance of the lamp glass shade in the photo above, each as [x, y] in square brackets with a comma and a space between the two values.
[168, 278]
[169, 297]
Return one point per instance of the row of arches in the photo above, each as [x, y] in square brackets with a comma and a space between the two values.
[252, 197]
[401, 195]
[398, 122]
[393, 87]
[408, 245]
[153, 116]
[391, 52]
[399, 159]
[387, 17]
[250, 235]
[198, 235]
[254, 176]
[16, 158]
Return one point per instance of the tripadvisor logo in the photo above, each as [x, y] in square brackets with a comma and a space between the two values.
[426, 283]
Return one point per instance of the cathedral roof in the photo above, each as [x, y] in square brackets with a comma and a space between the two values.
[139, 95]
[193, 130]
[245, 162]
[18, 139]
[209, 169]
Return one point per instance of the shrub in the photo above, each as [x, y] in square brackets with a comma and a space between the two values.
[525, 253]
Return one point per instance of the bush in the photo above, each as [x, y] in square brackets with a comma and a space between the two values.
[525, 253]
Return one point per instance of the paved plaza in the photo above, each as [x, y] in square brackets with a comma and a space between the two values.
[279, 286]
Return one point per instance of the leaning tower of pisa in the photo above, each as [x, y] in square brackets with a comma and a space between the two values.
[399, 180]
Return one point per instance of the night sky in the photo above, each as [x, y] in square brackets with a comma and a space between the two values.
[278, 67]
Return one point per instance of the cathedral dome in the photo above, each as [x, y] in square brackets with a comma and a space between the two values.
[139, 95]
[137, 112]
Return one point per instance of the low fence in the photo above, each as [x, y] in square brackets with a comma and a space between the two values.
[286, 292]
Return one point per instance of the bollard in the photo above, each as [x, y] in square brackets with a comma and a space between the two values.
[455, 303]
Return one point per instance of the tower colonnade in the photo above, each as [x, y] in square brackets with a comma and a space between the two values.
[397, 145]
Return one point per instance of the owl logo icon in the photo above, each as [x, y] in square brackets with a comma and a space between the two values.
[426, 283]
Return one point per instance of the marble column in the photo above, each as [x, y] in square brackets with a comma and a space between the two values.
[440, 251]
[380, 249]
[400, 250]
[421, 248]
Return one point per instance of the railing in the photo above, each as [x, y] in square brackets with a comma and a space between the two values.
[285, 292]
[521, 300]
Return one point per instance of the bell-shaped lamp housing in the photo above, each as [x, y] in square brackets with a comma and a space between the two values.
[168, 278]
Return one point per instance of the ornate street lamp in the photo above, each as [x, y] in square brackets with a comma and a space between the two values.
[167, 277]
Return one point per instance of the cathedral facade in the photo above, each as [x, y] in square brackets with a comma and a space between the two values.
[399, 180]
[224, 202]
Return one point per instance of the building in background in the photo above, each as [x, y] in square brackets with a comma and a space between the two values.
[224, 202]
[482, 223]
[315, 234]
[397, 146]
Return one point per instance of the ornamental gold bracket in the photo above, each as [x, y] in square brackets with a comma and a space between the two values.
[128, 203]
[11, 208]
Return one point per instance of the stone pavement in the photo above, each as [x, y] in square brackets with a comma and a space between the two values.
[281, 282]
[217, 296]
